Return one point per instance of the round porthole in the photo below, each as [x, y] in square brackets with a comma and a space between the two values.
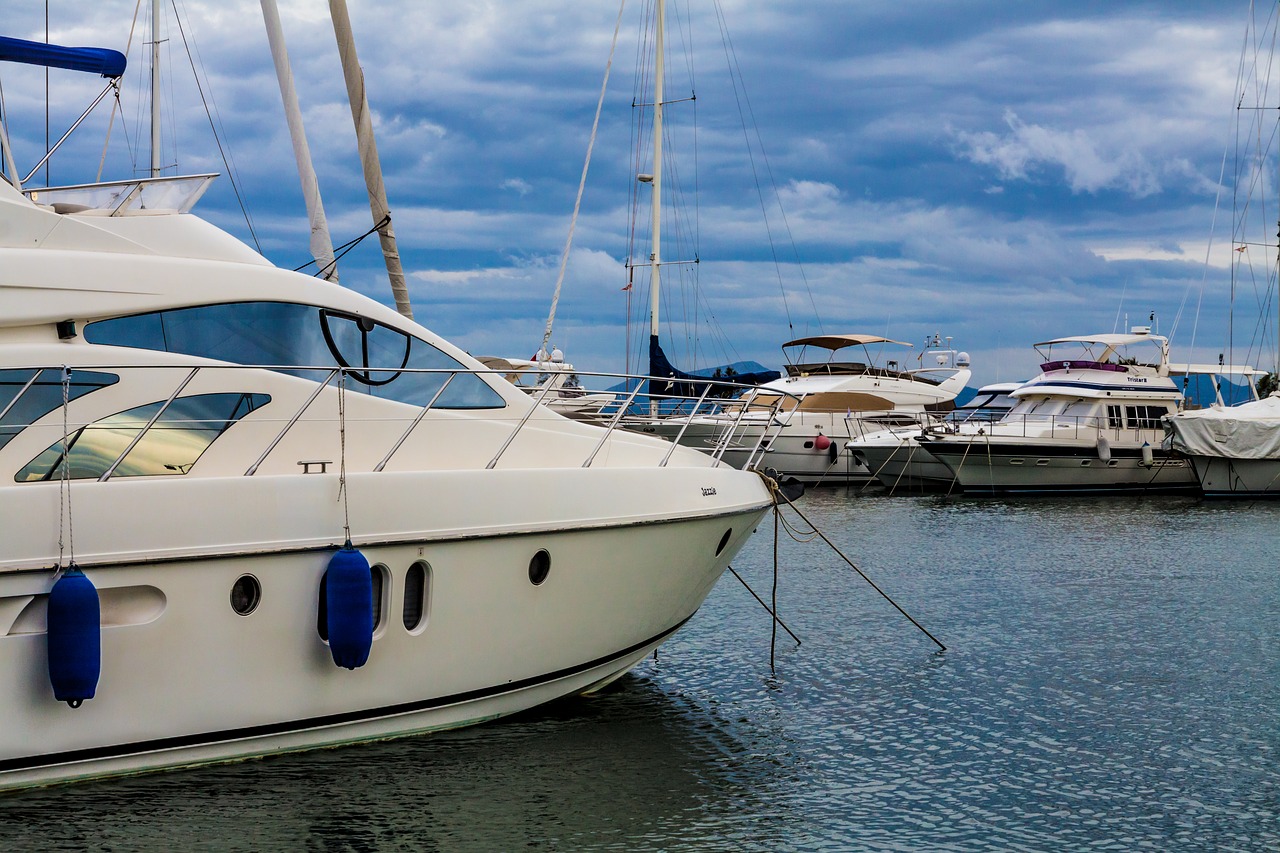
[539, 567]
[246, 592]
[724, 540]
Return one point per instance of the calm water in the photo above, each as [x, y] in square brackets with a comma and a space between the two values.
[1112, 682]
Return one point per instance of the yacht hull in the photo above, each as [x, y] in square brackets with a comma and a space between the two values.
[904, 466]
[1222, 477]
[1026, 467]
[185, 680]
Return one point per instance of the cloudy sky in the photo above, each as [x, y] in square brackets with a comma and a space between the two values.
[999, 173]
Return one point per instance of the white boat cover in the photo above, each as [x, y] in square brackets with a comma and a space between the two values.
[1248, 431]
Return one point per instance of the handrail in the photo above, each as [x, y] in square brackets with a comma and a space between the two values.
[751, 418]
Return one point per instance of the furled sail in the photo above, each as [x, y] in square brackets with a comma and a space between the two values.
[94, 60]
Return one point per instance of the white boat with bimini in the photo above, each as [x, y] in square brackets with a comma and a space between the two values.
[1090, 422]
[806, 438]
[253, 512]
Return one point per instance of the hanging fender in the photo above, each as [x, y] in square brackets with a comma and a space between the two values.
[75, 638]
[349, 607]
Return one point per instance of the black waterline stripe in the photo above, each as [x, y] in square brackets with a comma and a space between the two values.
[181, 741]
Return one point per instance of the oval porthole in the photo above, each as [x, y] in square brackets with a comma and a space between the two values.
[414, 612]
[246, 592]
[724, 540]
[539, 567]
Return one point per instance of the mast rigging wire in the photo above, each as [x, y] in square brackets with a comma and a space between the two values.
[582, 182]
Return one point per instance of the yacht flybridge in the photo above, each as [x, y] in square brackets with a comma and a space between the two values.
[1090, 422]
[252, 512]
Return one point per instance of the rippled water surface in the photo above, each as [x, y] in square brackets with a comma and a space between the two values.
[1112, 682]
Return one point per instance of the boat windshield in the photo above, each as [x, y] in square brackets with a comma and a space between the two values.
[291, 338]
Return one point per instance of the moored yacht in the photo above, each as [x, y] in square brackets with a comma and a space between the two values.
[1235, 450]
[251, 512]
[805, 437]
[1090, 422]
[894, 455]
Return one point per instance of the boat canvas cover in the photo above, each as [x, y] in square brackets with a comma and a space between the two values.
[94, 60]
[1248, 431]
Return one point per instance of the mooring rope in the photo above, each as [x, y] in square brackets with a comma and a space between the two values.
[342, 455]
[64, 486]
[777, 492]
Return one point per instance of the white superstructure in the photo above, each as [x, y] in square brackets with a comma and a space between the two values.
[226, 424]
[1090, 422]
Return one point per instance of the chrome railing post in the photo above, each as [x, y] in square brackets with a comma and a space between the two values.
[519, 426]
[417, 420]
[106, 475]
[613, 423]
[685, 426]
[298, 414]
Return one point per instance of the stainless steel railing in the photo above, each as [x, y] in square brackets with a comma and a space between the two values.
[720, 414]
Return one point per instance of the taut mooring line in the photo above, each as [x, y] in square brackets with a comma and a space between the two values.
[764, 605]
[856, 569]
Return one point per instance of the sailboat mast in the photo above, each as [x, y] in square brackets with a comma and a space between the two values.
[655, 258]
[369, 153]
[155, 88]
[321, 242]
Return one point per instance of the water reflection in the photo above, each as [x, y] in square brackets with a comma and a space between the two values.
[1112, 681]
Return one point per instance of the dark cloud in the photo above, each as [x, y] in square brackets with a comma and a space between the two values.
[999, 173]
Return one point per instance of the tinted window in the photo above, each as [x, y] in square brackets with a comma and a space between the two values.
[172, 445]
[285, 335]
[20, 408]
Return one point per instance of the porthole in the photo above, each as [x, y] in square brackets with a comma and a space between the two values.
[1085, 463]
[724, 540]
[377, 576]
[539, 567]
[246, 592]
[416, 585]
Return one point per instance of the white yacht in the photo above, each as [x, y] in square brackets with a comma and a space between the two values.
[251, 512]
[805, 437]
[1090, 422]
[894, 455]
[554, 383]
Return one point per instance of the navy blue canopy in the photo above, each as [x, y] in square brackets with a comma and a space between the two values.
[95, 60]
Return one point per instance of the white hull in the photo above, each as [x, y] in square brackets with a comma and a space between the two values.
[1222, 477]
[904, 466]
[185, 680]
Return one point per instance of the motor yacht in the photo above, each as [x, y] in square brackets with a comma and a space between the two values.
[896, 459]
[800, 423]
[251, 512]
[1090, 422]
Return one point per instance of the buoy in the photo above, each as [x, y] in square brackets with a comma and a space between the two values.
[75, 640]
[1104, 448]
[1148, 458]
[821, 442]
[349, 607]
